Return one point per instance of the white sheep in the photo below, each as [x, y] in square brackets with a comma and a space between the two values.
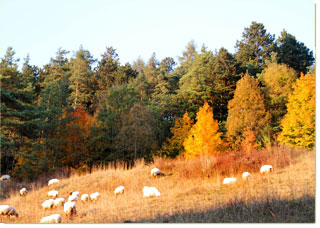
[53, 193]
[8, 210]
[48, 204]
[58, 202]
[156, 172]
[5, 178]
[119, 190]
[94, 196]
[246, 176]
[266, 169]
[229, 180]
[55, 218]
[72, 198]
[23, 192]
[70, 208]
[52, 181]
[150, 192]
[84, 197]
[77, 194]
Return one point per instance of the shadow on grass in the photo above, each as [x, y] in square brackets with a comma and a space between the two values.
[300, 210]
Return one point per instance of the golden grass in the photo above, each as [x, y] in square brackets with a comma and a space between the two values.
[190, 194]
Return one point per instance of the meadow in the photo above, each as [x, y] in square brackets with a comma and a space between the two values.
[191, 192]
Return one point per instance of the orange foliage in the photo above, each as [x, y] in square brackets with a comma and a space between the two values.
[248, 144]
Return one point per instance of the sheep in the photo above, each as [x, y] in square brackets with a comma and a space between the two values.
[72, 198]
[229, 180]
[246, 176]
[48, 204]
[5, 178]
[8, 210]
[70, 208]
[266, 169]
[119, 190]
[150, 192]
[77, 194]
[84, 197]
[55, 218]
[58, 202]
[156, 172]
[94, 196]
[52, 181]
[53, 193]
[23, 192]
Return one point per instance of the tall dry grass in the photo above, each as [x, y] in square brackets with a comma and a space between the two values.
[191, 193]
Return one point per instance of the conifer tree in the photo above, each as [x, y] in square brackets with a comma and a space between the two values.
[246, 110]
[204, 138]
[298, 125]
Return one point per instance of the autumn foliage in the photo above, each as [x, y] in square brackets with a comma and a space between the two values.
[203, 138]
[298, 125]
[248, 144]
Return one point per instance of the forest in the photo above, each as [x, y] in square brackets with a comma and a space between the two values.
[78, 113]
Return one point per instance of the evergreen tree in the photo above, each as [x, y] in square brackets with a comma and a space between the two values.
[19, 117]
[298, 125]
[246, 110]
[81, 79]
[293, 53]
[254, 48]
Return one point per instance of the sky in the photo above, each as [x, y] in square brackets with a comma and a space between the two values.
[139, 28]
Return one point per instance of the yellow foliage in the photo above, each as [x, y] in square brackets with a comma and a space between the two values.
[203, 138]
[248, 143]
[298, 125]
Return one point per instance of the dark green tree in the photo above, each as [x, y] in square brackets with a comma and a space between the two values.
[254, 48]
[293, 53]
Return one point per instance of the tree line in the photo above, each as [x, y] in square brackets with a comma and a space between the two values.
[79, 112]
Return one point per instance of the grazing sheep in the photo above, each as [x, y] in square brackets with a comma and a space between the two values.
[53, 193]
[229, 180]
[95, 196]
[266, 169]
[48, 204]
[150, 191]
[119, 190]
[23, 192]
[5, 178]
[84, 197]
[72, 198]
[8, 210]
[58, 202]
[246, 176]
[70, 208]
[156, 172]
[74, 194]
[55, 218]
[52, 181]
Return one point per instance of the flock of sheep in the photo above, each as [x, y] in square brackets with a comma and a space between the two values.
[70, 206]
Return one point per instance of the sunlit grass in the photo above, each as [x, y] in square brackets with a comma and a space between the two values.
[190, 194]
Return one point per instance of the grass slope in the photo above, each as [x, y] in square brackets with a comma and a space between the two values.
[189, 195]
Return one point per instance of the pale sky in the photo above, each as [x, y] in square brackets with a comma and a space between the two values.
[140, 27]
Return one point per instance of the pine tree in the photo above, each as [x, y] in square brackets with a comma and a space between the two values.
[180, 131]
[204, 138]
[246, 110]
[293, 53]
[298, 125]
[254, 48]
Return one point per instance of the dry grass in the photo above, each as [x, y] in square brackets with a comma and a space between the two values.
[191, 194]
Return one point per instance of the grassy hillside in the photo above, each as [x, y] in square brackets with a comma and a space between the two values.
[191, 193]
